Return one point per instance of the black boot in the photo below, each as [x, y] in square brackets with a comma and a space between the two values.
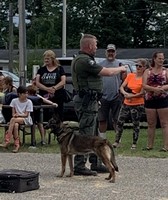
[80, 169]
[85, 172]
[96, 164]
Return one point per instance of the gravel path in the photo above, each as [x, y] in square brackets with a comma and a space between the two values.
[138, 179]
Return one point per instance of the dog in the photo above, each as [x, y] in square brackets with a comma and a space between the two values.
[72, 142]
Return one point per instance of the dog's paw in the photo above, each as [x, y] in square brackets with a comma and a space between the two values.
[112, 181]
[69, 175]
[59, 175]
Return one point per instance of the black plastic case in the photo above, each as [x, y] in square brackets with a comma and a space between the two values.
[13, 180]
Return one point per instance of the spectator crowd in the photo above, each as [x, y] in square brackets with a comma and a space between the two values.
[112, 92]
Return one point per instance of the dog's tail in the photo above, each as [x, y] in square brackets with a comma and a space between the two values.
[113, 157]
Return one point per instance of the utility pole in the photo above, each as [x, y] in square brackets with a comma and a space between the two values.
[22, 43]
[64, 30]
[10, 37]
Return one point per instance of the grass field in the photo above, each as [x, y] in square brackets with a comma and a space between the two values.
[124, 150]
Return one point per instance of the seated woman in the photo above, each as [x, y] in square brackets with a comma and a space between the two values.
[8, 85]
[8, 88]
[21, 108]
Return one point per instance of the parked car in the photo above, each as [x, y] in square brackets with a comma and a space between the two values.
[69, 113]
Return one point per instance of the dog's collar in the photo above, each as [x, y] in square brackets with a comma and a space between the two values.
[62, 133]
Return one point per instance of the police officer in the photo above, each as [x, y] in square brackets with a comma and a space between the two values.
[86, 77]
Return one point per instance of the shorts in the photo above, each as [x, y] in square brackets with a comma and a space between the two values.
[157, 103]
[112, 106]
[36, 116]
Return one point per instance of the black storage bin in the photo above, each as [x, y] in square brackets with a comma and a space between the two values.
[13, 180]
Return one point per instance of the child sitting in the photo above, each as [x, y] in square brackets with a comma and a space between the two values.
[32, 92]
[21, 108]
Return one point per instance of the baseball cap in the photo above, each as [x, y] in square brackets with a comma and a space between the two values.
[111, 47]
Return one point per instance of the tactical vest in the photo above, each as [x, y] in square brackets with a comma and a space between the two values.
[83, 79]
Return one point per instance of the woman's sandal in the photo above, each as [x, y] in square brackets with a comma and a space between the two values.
[147, 149]
[163, 150]
[133, 147]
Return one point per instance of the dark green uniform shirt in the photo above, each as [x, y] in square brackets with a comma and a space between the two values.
[85, 73]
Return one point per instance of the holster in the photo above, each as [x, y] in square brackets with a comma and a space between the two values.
[86, 100]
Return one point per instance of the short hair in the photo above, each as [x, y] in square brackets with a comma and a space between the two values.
[32, 89]
[52, 55]
[21, 89]
[86, 38]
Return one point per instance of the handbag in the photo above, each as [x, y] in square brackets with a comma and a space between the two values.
[68, 96]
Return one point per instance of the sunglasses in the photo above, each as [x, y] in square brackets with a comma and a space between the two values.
[140, 66]
[111, 51]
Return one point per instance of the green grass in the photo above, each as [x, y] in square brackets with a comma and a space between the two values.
[48, 148]
[126, 142]
[124, 150]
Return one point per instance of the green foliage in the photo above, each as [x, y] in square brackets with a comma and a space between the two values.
[127, 23]
[34, 58]
[44, 30]
[3, 23]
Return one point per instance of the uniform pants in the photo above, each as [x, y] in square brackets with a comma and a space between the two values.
[87, 116]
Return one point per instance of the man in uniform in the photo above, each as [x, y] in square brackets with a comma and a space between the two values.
[87, 81]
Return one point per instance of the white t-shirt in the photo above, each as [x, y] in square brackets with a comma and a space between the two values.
[22, 107]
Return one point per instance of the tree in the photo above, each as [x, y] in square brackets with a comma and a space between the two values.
[44, 30]
[127, 23]
[139, 13]
[113, 25]
[3, 23]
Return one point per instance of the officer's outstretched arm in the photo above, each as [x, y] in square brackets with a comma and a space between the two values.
[111, 71]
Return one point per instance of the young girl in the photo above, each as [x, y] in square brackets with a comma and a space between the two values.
[21, 108]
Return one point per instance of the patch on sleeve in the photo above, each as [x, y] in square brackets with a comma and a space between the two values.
[92, 62]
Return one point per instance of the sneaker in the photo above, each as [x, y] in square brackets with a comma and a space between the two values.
[116, 145]
[5, 145]
[85, 172]
[99, 168]
[147, 149]
[133, 147]
[43, 143]
[32, 147]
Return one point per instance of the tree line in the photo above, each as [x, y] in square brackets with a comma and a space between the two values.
[126, 23]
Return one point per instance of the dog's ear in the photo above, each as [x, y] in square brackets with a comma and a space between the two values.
[56, 116]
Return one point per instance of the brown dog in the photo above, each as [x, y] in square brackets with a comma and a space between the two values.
[71, 142]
